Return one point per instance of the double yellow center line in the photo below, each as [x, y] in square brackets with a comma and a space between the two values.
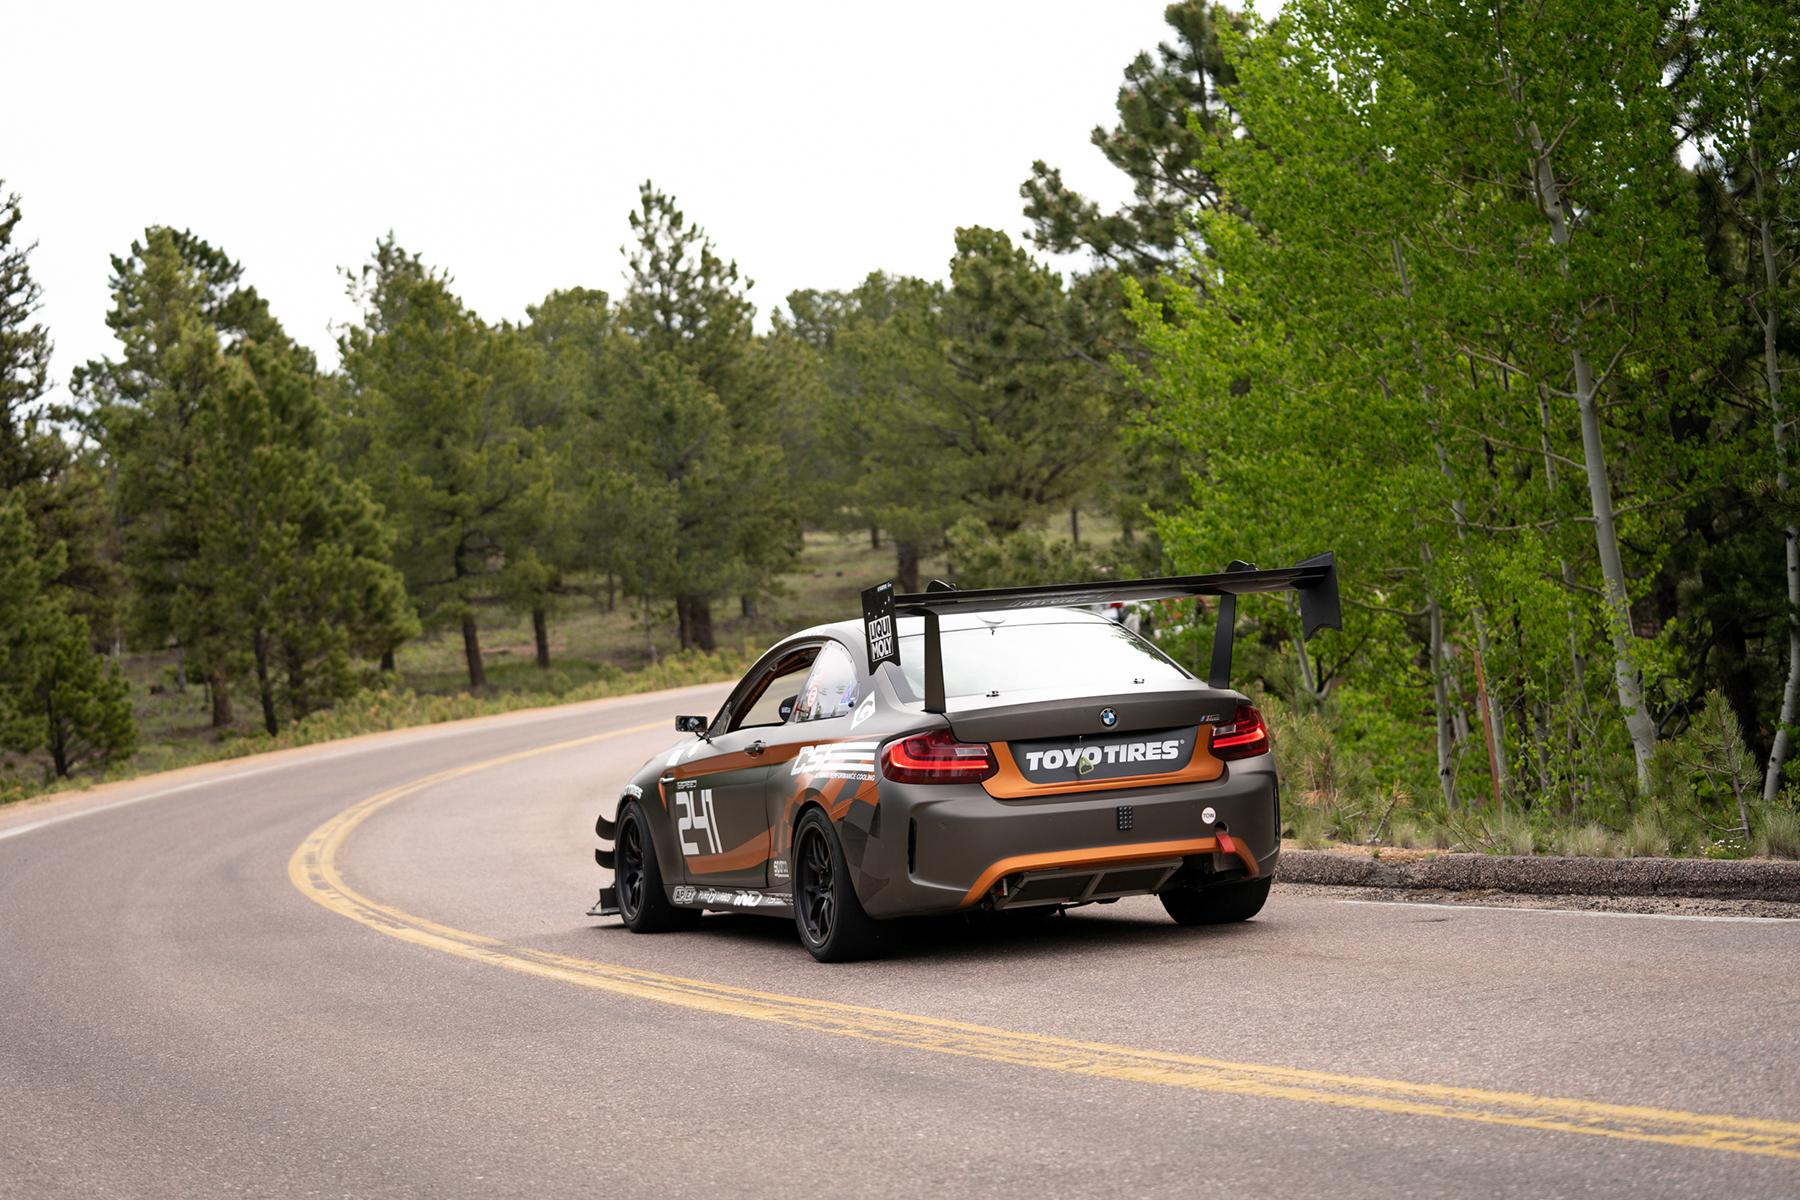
[313, 869]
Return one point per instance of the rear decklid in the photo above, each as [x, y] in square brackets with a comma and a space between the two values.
[1046, 745]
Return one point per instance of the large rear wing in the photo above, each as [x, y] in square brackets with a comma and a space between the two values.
[1315, 580]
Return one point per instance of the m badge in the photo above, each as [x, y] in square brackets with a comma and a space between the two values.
[878, 625]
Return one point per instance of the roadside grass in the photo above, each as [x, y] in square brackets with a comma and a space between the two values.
[594, 653]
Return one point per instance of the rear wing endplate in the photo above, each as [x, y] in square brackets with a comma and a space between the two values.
[1315, 580]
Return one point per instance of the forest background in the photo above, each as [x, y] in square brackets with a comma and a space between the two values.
[1497, 303]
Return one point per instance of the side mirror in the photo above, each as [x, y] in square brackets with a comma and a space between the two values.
[692, 724]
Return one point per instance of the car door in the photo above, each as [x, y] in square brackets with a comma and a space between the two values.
[822, 760]
[716, 794]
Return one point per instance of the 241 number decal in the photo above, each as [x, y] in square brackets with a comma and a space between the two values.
[697, 817]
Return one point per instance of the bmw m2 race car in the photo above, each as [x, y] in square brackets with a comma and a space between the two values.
[993, 749]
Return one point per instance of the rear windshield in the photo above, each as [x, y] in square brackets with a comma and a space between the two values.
[1095, 657]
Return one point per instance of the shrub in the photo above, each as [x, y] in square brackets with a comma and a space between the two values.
[1646, 837]
[1591, 840]
[1778, 833]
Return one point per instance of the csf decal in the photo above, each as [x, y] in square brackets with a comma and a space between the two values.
[695, 806]
[836, 760]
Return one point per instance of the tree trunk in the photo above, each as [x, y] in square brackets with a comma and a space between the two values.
[1496, 747]
[472, 651]
[610, 584]
[1626, 680]
[1491, 726]
[264, 689]
[540, 633]
[906, 566]
[696, 622]
[1790, 695]
[874, 537]
[180, 672]
[221, 699]
[1075, 524]
[1440, 695]
[649, 634]
[387, 661]
[1577, 660]
[747, 607]
[58, 740]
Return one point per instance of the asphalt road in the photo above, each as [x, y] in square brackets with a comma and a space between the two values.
[362, 969]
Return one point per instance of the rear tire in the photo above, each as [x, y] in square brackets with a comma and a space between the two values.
[829, 918]
[643, 904]
[1224, 905]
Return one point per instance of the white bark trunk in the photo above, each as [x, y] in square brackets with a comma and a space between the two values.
[1790, 696]
[1626, 680]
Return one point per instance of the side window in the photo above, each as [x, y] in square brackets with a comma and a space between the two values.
[830, 690]
[768, 702]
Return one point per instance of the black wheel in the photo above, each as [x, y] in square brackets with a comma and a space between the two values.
[643, 904]
[1222, 905]
[833, 926]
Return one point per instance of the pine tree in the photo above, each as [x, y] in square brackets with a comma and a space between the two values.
[56, 693]
[243, 543]
[437, 394]
[696, 398]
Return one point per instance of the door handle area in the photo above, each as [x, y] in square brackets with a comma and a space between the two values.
[754, 749]
[669, 778]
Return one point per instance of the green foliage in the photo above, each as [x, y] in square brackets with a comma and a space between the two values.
[978, 559]
[56, 694]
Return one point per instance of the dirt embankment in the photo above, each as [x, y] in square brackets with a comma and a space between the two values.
[1759, 887]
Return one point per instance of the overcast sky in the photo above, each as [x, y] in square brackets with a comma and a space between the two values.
[815, 142]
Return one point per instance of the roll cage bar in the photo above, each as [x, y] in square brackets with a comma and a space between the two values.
[1315, 580]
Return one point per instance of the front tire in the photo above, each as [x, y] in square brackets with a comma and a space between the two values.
[643, 903]
[1225, 905]
[830, 919]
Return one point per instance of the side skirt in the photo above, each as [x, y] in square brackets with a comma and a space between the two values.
[732, 899]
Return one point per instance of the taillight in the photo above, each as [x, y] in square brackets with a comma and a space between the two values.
[1245, 736]
[937, 757]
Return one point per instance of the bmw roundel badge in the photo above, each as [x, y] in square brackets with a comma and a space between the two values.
[1109, 717]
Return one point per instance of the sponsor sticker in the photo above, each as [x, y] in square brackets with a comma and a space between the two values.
[738, 898]
[878, 625]
[864, 711]
[1111, 757]
[778, 868]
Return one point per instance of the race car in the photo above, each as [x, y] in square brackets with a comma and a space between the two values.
[964, 750]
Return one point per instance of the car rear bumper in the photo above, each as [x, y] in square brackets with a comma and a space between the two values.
[935, 848]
